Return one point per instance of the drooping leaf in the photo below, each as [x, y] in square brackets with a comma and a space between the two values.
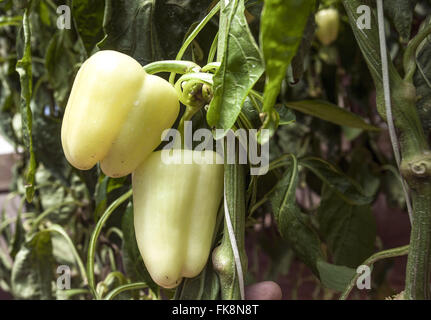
[53, 194]
[60, 63]
[88, 15]
[278, 47]
[330, 112]
[241, 66]
[349, 230]
[335, 277]
[400, 12]
[291, 222]
[286, 115]
[32, 272]
[344, 186]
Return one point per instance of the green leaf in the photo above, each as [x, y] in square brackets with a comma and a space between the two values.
[205, 286]
[348, 230]
[241, 66]
[32, 272]
[251, 113]
[343, 185]
[286, 115]
[44, 13]
[400, 12]
[47, 134]
[132, 260]
[291, 223]
[19, 235]
[281, 31]
[24, 69]
[335, 277]
[53, 194]
[88, 15]
[60, 63]
[146, 31]
[330, 112]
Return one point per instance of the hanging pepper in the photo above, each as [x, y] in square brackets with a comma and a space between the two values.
[116, 114]
[175, 210]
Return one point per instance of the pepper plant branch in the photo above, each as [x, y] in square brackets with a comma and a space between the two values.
[388, 107]
[126, 287]
[95, 235]
[391, 253]
[415, 165]
[225, 259]
[177, 66]
[409, 59]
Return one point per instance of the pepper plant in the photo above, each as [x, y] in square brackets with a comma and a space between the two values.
[88, 88]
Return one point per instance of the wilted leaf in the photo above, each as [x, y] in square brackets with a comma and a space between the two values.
[32, 272]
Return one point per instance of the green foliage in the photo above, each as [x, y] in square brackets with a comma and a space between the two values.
[239, 69]
[291, 222]
[326, 164]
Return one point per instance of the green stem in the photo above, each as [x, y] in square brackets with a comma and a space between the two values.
[95, 235]
[223, 256]
[409, 60]
[193, 35]
[418, 262]
[188, 115]
[61, 231]
[391, 253]
[132, 286]
[176, 66]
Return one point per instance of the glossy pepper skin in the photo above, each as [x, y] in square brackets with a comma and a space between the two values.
[175, 210]
[328, 23]
[116, 114]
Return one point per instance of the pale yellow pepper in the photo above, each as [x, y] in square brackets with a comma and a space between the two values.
[116, 114]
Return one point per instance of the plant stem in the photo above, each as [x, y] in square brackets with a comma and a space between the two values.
[176, 66]
[418, 263]
[193, 35]
[409, 60]
[224, 258]
[126, 287]
[390, 253]
[95, 235]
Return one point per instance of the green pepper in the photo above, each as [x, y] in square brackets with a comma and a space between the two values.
[116, 114]
[328, 23]
[175, 210]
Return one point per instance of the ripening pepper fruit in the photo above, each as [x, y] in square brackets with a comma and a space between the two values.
[116, 114]
[328, 23]
[175, 210]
